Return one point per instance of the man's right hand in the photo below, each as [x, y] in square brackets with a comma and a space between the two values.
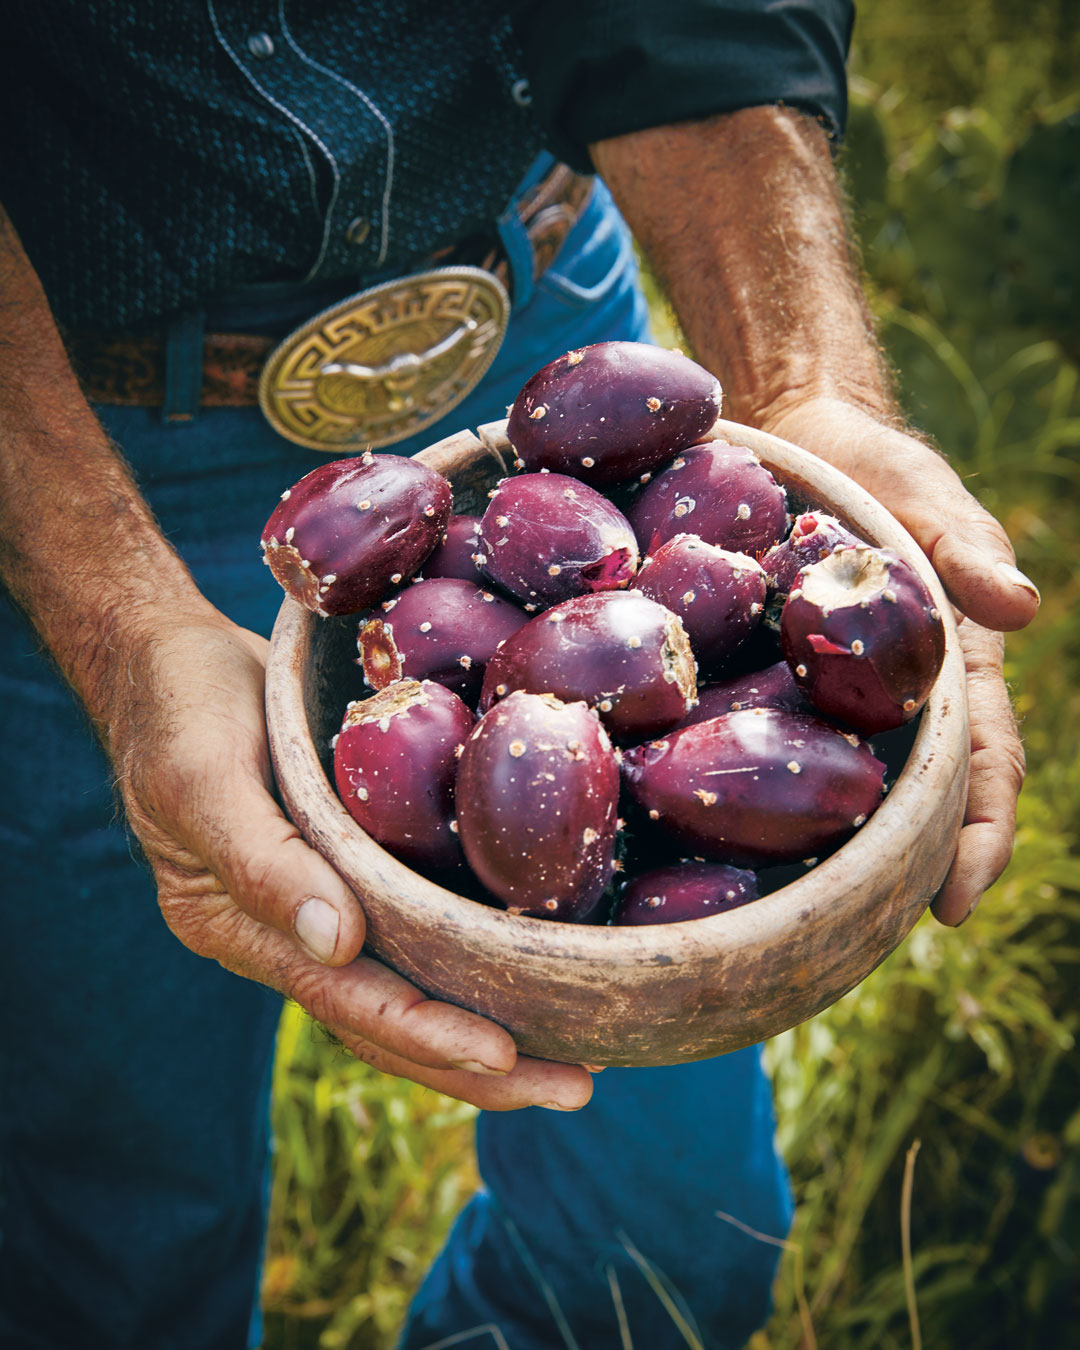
[237, 883]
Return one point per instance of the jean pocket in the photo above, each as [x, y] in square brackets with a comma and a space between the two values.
[597, 256]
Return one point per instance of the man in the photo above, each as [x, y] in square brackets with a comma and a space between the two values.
[239, 168]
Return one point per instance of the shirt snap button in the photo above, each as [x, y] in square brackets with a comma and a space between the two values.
[260, 45]
[358, 230]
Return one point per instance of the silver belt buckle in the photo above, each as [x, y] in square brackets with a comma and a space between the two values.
[386, 363]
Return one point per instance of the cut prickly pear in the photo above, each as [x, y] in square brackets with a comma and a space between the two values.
[537, 793]
[863, 637]
[546, 537]
[813, 536]
[719, 595]
[395, 760]
[625, 655]
[444, 629]
[720, 492]
[612, 411]
[349, 530]
[686, 890]
[756, 787]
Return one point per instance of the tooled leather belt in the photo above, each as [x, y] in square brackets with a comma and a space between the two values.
[373, 369]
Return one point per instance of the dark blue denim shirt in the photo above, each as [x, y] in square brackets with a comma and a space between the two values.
[158, 155]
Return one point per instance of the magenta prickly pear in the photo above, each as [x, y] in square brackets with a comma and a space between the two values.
[348, 531]
[546, 537]
[719, 595]
[774, 687]
[455, 554]
[813, 536]
[720, 492]
[625, 655]
[443, 629]
[686, 890]
[612, 411]
[756, 787]
[863, 637]
[537, 793]
[395, 761]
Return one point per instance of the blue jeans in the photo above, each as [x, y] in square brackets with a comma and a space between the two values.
[134, 1075]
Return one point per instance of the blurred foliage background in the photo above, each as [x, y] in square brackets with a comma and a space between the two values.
[963, 163]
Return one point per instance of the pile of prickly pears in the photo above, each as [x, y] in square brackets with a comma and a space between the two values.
[632, 684]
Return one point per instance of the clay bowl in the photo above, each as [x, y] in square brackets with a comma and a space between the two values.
[659, 994]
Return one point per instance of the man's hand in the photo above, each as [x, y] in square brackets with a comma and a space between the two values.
[237, 883]
[741, 216]
[176, 692]
[972, 556]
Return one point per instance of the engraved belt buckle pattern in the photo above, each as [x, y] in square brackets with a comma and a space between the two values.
[386, 363]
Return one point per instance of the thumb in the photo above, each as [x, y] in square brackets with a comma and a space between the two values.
[273, 875]
[978, 569]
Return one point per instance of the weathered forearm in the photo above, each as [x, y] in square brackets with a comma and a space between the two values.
[743, 220]
[79, 548]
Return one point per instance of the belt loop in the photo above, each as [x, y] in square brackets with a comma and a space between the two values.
[183, 368]
[520, 255]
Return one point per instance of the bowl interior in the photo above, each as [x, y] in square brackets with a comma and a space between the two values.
[665, 993]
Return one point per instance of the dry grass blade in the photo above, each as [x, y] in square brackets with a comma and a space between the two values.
[657, 1286]
[795, 1248]
[620, 1310]
[905, 1240]
[460, 1337]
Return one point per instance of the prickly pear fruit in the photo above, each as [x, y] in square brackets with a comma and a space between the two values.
[395, 760]
[813, 536]
[720, 492]
[444, 629]
[349, 530]
[774, 687]
[625, 655]
[719, 595]
[612, 411]
[686, 890]
[546, 537]
[756, 787]
[862, 635]
[454, 554]
[537, 794]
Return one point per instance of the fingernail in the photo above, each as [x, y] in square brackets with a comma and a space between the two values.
[316, 925]
[474, 1066]
[557, 1106]
[594, 1068]
[1016, 578]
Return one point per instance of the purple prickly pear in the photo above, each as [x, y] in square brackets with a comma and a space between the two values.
[349, 530]
[537, 794]
[720, 596]
[863, 637]
[774, 687]
[686, 890]
[454, 555]
[720, 492]
[443, 629]
[546, 537]
[756, 787]
[625, 655]
[612, 411]
[813, 536]
[395, 761]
